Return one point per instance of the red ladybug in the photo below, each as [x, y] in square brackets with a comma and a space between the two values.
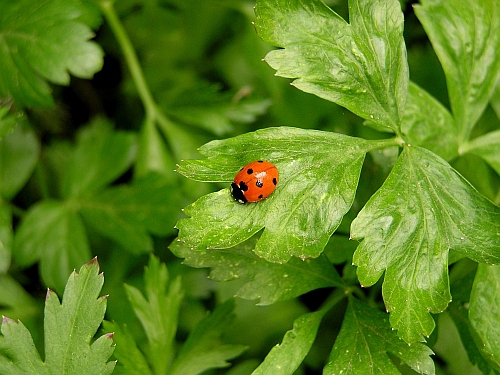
[255, 182]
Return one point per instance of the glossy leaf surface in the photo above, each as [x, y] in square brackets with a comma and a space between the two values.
[360, 65]
[424, 209]
[364, 341]
[466, 37]
[267, 282]
[429, 124]
[319, 174]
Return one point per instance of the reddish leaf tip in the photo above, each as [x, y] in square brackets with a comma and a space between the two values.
[49, 291]
[93, 262]
[110, 335]
[6, 320]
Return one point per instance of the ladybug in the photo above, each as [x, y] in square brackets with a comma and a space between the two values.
[255, 182]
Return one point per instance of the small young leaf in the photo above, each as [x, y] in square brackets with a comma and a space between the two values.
[101, 156]
[202, 350]
[484, 311]
[364, 341]
[466, 37]
[69, 327]
[268, 282]
[428, 123]
[424, 209]
[43, 40]
[318, 176]
[19, 152]
[361, 66]
[128, 213]
[487, 147]
[285, 358]
[53, 234]
[158, 313]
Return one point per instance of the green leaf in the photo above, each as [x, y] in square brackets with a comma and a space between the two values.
[43, 40]
[466, 37]
[217, 113]
[424, 209]
[52, 233]
[428, 123]
[101, 156]
[69, 327]
[19, 152]
[361, 65]
[487, 147]
[365, 339]
[495, 99]
[152, 153]
[128, 213]
[267, 282]
[131, 359]
[285, 358]
[202, 350]
[6, 237]
[18, 355]
[458, 310]
[484, 313]
[15, 301]
[319, 174]
[7, 121]
[158, 313]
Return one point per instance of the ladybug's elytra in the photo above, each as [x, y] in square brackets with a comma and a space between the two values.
[255, 182]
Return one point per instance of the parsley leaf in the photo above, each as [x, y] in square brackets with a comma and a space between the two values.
[319, 173]
[360, 65]
[69, 327]
[424, 209]
[40, 41]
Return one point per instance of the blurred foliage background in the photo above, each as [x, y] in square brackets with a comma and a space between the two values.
[202, 61]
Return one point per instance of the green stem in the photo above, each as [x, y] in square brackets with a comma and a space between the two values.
[130, 58]
[384, 143]
[338, 295]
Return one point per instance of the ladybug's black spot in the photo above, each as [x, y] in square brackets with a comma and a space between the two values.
[238, 194]
[261, 196]
[249, 171]
[260, 161]
[274, 181]
[243, 186]
[259, 183]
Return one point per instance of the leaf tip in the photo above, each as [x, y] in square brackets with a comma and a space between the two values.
[6, 320]
[50, 293]
[94, 262]
[110, 335]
